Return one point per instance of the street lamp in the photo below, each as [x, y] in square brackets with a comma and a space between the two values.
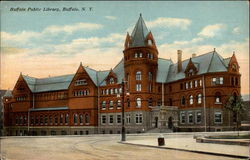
[123, 138]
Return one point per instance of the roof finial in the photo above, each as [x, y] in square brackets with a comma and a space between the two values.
[140, 15]
[80, 63]
[21, 73]
[214, 49]
[233, 52]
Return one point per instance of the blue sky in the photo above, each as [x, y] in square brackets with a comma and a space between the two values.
[42, 43]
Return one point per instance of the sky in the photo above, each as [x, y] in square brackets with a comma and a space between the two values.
[42, 43]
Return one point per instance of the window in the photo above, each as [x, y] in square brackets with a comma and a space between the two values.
[45, 120]
[111, 119]
[150, 76]
[107, 91]
[191, 84]
[181, 86]
[200, 83]
[218, 97]
[128, 118]
[103, 92]
[190, 117]
[234, 67]
[119, 119]
[111, 81]
[103, 105]
[80, 82]
[21, 120]
[118, 104]
[150, 87]
[103, 119]
[138, 118]
[186, 85]
[81, 119]
[221, 80]
[75, 118]
[36, 119]
[87, 119]
[138, 87]
[61, 119]
[128, 102]
[183, 101]
[199, 98]
[24, 120]
[236, 81]
[111, 90]
[140, 55]
[159, 102]
[138, 102]
[111, 104]
[138, 75]
[150, 102]
[232, 81]
[198, 117]
[195, 83]
[150, 42]
[116, 91]
[136, 55]
[217, 117]
[41, 120]
[66, 118]
[32, 120]
[191, 101]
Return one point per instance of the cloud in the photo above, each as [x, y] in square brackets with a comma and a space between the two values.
[193, 41]
[72, 28]
[236, 30]
[110, 17]
[27, 37]
[211, 30]
[164, 22]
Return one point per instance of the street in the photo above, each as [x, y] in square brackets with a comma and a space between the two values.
[92, 147]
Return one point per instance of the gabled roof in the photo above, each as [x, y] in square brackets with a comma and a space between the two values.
[226, 61]
[163, 68]
[48, 84]
[139, 33]
[209, 62]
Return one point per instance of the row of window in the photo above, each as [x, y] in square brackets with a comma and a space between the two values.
[84, 92]
[81, 82]
[45, 120]
[142, 55]
[138, 76]
[110, 119]
[20, 98]
[191, 84]
[192, 117]
[217, 80]
[118, 103]
[191, 99]
[111, 91]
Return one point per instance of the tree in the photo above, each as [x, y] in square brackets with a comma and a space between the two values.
[235, 104]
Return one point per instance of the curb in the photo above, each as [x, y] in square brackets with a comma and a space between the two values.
[194, 151]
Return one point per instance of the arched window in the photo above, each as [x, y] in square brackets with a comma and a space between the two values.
[41, 120]
[103, 105]
[24, 120]
[128, 102]
[81, 119]
[75, 118]
[111, 104]
[136, 55]
[66, 118]
[111, 90]
[199, 98]
[217, 97]
[138, 102]
[183, 100]
[107, 91]
[138, 75]
[87, 119]
[191, 100]
[61, 119]
[150, 102]
[150, 76]
[111, 81]
[21, 120]
[50, 119]
[150, 42]
[119, 103]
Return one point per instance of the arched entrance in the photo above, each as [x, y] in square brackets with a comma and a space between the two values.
[170, 122]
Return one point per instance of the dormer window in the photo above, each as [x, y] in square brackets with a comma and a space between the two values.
[80, 82]
[111, 81]
[150, 42]
[234, 67]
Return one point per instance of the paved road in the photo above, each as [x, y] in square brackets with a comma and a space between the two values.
[95, 147]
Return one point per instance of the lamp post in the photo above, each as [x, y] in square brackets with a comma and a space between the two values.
[123, 133]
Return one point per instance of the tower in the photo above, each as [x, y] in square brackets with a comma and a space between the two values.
[140, 63]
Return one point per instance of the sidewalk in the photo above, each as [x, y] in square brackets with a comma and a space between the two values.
[190, 144]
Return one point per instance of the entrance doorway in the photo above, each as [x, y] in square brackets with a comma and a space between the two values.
[156, 122]
[170, 122]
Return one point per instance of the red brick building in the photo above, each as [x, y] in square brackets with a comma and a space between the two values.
[188, 95]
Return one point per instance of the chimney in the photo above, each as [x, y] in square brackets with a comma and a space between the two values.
[179, 54]
[193, 55]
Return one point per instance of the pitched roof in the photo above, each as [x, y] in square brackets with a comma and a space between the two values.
[163, 68]
[48, 84]
[139, 33]
[209, 62]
